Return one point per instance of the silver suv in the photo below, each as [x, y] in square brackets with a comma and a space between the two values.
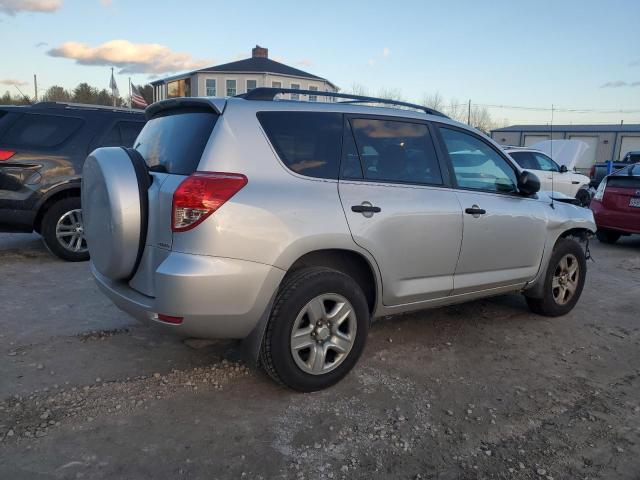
[292, 224]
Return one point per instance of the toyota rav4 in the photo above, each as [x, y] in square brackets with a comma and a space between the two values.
[292, 224]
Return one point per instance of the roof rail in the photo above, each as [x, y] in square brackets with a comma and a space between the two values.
[88, 106]
[265, 93]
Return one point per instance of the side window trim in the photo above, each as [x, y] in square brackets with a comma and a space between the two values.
[348, 130]
[445, 153]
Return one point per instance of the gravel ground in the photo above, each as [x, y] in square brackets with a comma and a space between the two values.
[480, 390]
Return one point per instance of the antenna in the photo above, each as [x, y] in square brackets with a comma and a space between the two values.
[551, 149]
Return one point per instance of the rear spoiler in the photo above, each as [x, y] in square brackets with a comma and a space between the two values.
[215, 104]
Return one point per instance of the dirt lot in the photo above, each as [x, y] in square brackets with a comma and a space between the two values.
[482, 390]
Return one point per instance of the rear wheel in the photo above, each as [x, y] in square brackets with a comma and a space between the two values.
[564, 280]
[608, 236]
[317, 329]
[63, 230]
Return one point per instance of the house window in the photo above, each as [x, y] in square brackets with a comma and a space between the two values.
[231, 88]
[211, 87]
[179, 88]
[276, 84]
[251, 84]
[295, 96]
[313, 98]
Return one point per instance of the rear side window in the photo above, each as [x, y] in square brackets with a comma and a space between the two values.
[173, 141]
[395, 151]
[42, 131]
[308, 143]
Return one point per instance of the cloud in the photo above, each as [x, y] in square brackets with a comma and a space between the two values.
[635, 63]
[129, 57]
[635, 84]
[41, 44]
[11, 7]
[371, 62]
[12, 82]
[386, 52]
[615, 84]
[106, 3]
[305, 62]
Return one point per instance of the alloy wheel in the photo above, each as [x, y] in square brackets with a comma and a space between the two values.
[323, 334]
[70, 231]
[565, 279]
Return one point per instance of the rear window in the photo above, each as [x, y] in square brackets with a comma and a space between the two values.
[628, 177]
[41, 131]
[308, 143]
[173, 141]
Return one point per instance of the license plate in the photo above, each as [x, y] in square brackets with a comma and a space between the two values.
[634, 202]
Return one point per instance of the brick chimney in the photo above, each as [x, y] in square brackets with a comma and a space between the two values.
[260, 52]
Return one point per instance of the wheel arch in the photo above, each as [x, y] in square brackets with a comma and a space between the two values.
[70, 190]
[349, 262]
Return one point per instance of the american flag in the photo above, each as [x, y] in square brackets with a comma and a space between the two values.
[137, 99]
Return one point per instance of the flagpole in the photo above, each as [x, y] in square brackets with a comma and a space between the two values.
[113, 91]
[130, 97]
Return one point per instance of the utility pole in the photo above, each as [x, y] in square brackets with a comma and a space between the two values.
[35, 85]
[469, 114]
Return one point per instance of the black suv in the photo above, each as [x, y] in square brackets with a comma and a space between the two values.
[42, 150]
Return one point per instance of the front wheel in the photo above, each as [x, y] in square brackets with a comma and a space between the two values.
[63, 230]
[564, 280]
[317, 329]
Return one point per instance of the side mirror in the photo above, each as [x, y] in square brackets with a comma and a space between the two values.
[563, 169]
[528, 183]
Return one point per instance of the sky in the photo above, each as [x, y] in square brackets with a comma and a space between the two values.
[575, 55]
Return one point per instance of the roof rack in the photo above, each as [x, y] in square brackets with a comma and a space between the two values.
[87, 106]
[265, 93]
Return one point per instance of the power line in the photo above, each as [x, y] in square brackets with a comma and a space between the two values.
[544, 109]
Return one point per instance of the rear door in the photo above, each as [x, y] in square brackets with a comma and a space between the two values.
[503, 232]
[399, 207]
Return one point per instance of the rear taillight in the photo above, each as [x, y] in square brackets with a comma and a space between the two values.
[6, 154]
[201, 194]
[170, 319]
[600, 191]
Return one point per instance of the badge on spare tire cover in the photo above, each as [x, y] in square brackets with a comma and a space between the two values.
[114, 209]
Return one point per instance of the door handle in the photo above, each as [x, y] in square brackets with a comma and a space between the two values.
[365, 209]
[475, 211]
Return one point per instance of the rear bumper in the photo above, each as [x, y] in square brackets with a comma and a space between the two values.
[625, 222]
[216, 297]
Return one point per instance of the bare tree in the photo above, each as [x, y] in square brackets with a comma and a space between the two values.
[435, 101]
[391, 94]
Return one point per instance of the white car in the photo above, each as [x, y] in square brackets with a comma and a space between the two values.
[553, 177]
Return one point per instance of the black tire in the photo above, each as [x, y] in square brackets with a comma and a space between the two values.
[48, 230]
[608, 236]
[297, 290]
[583, 197]
[547, 305]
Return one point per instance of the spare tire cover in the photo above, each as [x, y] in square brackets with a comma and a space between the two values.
[112, 211]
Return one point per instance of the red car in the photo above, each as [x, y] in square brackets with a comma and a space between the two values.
[616, 204]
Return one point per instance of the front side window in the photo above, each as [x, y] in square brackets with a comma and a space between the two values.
[545, 163]
[251, 84]
[295, 96]
[476, 165]
[308, 143]
[211, 87]
[396, 151]
[313, 98]
[231, 88]
[526, 160]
